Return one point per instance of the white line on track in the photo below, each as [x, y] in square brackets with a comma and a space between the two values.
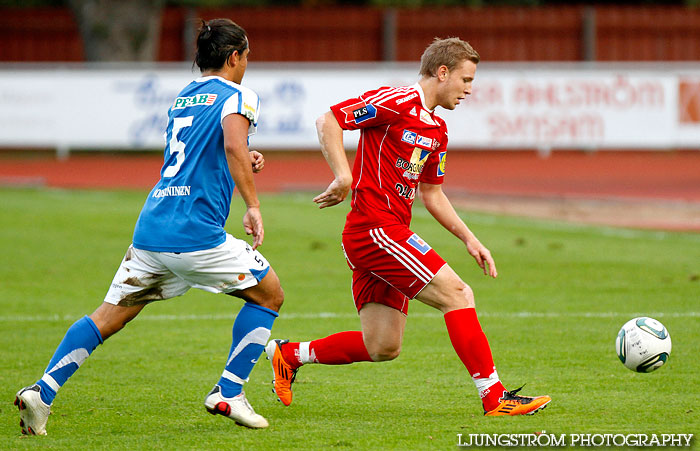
[331, 315]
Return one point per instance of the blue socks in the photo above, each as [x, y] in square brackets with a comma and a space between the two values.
[80, 340]
[251, 331]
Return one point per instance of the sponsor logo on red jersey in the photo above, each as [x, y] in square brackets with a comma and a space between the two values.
[359, 112]
[442, 164]
[426, 117]
[407, 98]
[417, 243]
[409, 137]
[414, 167]
[423, 141]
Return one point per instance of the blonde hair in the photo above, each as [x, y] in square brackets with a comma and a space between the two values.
[449, 52]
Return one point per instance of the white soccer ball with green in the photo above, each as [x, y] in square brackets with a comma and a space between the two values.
[643, 344]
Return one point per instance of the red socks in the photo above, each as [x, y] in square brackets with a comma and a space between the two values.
[465, 332]
[473, 349]
[337, 349]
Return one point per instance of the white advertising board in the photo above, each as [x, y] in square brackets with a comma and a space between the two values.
[512, 106]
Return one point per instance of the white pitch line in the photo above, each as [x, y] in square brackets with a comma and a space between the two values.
[331, 315]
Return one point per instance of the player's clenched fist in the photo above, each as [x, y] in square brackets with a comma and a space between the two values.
[258, 161]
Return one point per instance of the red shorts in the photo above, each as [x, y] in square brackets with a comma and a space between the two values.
[390, 265]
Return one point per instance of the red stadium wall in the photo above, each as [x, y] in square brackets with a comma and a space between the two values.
[648, 34]
[309, 34]
[498, 34]
[567, 33]
[39, 34]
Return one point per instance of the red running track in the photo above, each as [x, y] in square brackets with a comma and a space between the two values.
[633, 175]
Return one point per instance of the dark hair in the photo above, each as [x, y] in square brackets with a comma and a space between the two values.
[216, 41]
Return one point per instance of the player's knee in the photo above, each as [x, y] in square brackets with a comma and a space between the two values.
[277, 299]
[460, 296]
[385, 353]
[467, 295]
[110, 322]
[272, 299]
[268, 294]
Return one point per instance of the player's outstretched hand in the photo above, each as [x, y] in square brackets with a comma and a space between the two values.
[253, 225]
[336, 192]
[258, 160]
[483, 257]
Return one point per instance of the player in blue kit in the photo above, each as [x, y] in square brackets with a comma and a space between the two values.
[179, 240]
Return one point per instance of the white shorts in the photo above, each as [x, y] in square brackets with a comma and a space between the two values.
[147, 276]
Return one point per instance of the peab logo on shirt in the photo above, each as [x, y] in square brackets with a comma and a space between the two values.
[196, 100]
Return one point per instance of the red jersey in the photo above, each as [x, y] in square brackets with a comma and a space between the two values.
[401, 144]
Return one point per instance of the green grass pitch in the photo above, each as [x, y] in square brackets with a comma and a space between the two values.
[551, 318]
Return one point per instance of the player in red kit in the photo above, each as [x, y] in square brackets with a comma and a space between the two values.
[402, 152]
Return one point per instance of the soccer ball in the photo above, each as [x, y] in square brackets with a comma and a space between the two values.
[643, 344]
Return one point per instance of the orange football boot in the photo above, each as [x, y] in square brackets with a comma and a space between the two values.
[512, 404]
[282, 371]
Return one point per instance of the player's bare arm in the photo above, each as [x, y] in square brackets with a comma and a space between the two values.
[330, 136]
[440, 207]
[239, 163]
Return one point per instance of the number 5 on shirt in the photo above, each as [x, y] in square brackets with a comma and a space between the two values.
[177, 146]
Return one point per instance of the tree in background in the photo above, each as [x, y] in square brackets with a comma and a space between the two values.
[124, 30]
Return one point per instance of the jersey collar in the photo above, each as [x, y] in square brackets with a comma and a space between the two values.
[419, 88]
[216, 77]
